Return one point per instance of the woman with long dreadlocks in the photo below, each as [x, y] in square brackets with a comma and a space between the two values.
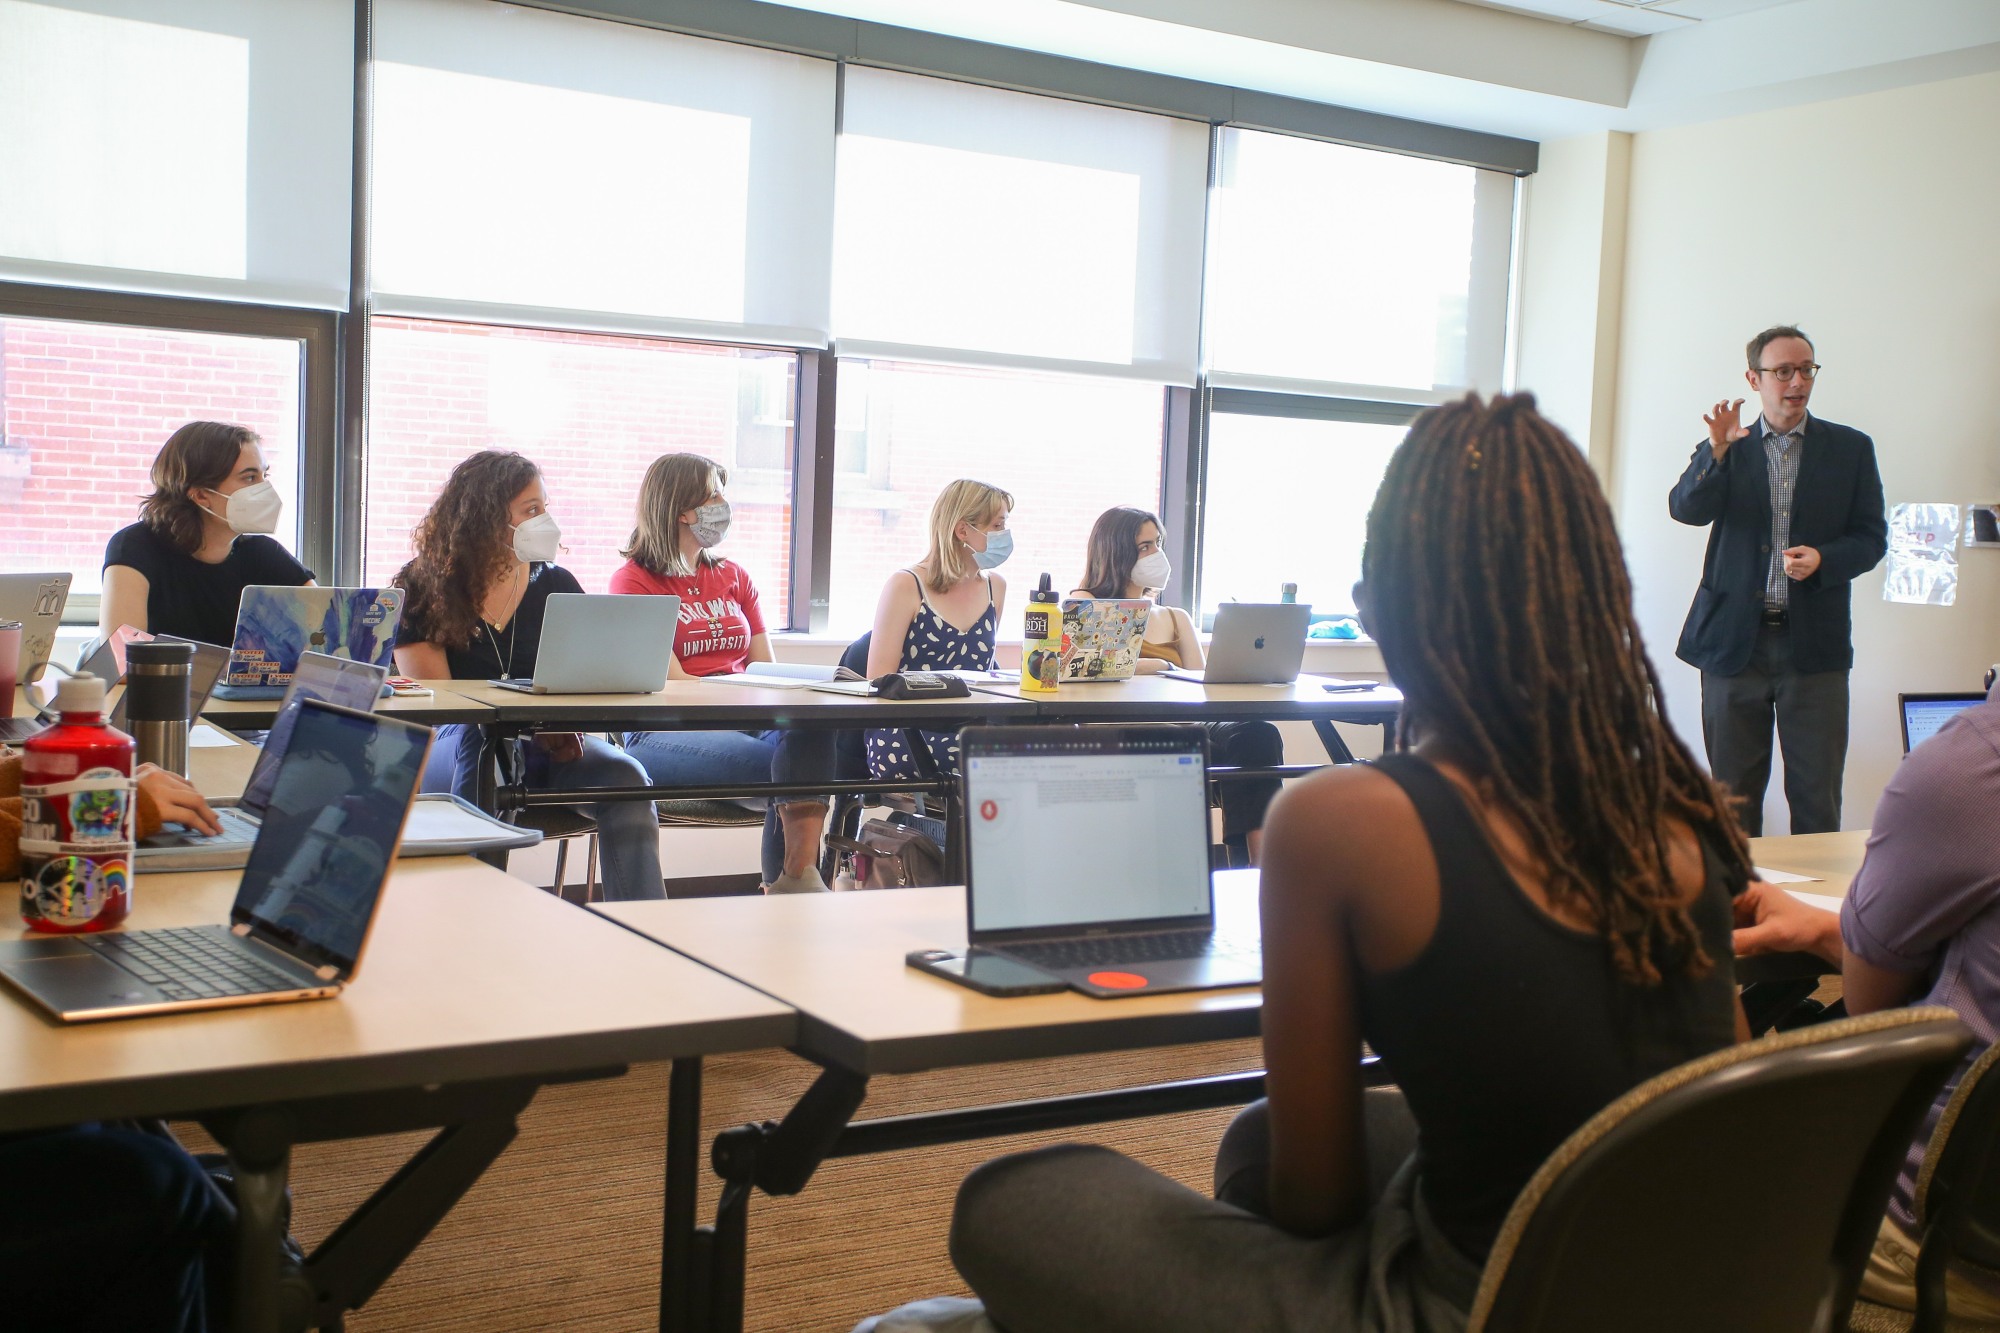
[1525, 915]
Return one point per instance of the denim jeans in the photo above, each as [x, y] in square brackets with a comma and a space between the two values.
[107, 1228]
[628, 832]
[698, 758]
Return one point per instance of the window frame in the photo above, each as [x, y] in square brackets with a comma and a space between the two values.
[1263, 403]
[321, 460]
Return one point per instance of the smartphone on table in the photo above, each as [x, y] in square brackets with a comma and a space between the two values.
[987, 972]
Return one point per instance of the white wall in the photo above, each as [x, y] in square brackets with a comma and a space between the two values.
[1572, 287]
[1869, 221]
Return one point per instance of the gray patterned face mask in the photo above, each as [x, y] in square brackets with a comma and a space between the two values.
[711, 521]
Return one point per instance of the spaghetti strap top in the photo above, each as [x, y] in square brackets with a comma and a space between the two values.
[1511, 1029]
[933, 643]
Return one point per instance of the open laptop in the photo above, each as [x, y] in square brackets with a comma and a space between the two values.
[1088, 858]
[37, 601]
[107, 664]
[1254, 643]
[1101, 638]
[602, 643]
[276, 625]
[303, 910]
[331, 680]
[1923, 714]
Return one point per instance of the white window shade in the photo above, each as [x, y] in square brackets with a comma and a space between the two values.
[181, 147]
[1001, 228]
[544, 168]
[1355, 269]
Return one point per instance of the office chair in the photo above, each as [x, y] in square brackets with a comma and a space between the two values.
[1738, 1193]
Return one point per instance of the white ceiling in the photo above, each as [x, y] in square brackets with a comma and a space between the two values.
[1537, 69]
[1630, 18]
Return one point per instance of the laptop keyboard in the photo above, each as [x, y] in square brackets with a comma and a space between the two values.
[191, 963]
[236, 828]
[1105, 950]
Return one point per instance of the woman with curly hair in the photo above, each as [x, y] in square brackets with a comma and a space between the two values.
[201, 539]
[474, 594]
[1525, 915]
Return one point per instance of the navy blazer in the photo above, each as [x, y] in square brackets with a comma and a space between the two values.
[1836, 509]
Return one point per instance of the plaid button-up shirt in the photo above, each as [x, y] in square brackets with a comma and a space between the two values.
[1781, 468]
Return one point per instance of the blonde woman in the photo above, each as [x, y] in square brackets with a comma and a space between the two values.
[683, 516]
[943, 612]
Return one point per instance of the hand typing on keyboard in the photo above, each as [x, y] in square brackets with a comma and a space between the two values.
[168, 798]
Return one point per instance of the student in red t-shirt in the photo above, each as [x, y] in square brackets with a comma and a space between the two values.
[682, 516]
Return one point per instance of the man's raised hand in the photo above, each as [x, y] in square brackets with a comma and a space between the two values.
[1725, 426]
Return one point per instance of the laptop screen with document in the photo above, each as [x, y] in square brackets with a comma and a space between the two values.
[330, 833]
[1924, 714]
[1084, 827]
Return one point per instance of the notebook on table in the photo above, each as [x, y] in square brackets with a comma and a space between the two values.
[1101, 638]
[1923, 714]
[308, 897]
[602, 643]
[1254, 643]
[276, 626]
[1088, 858]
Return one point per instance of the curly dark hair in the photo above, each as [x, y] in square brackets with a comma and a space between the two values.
[198, 456]
[1498, 593]
[462, 545]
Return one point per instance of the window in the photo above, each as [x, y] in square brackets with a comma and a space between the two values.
[536, 161]
[985, 224]
[85, 407]
[1303, 487]
[592, 410]
[1067, 447]
[1349, 266]
[186, 147]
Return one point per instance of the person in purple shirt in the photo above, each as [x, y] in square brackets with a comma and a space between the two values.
[1920, 925]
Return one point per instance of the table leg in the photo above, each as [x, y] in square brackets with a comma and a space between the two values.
[1336, 748]
[678, 1273]
[260, 1154]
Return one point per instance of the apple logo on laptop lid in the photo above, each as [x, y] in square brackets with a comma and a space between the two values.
[1259, 643]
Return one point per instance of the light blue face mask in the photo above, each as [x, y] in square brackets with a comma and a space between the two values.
[999, 545]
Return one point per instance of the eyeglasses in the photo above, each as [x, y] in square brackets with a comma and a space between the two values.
[1807, 372]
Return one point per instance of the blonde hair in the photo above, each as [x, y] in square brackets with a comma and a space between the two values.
[674, 484]
[963, 501]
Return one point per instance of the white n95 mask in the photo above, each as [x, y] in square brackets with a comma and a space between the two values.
[538, 541]
[254, 509]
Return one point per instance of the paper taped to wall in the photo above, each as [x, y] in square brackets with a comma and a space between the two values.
[1923, 555]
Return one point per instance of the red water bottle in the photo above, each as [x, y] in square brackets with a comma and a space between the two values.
[78, 807]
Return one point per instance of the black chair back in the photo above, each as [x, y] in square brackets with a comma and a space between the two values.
[1738, 1193]
[1958, 1189]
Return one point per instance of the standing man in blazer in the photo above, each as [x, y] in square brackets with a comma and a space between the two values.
[1793, 506]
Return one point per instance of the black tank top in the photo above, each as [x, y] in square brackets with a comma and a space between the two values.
[1511, 1029]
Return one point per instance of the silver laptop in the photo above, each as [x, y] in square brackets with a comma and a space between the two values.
[303, 911]
[602, 643]
[1088, 858]
[332, 680]
[1254, 643]
[105, 664]
[36, 600]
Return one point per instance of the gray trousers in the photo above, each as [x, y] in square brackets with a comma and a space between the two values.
[1811, 712]
[1081, 1239]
